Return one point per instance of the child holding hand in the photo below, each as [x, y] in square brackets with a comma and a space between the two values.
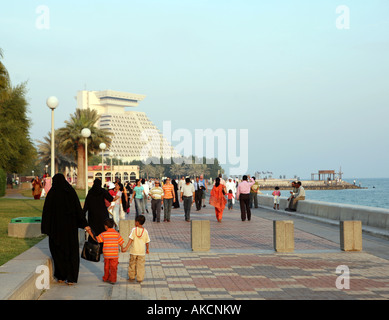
[111, 240]
[139, 247]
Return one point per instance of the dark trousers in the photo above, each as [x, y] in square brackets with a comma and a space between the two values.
[187, 206]
[253, 199]
[198, 198]
[244, 201]
[167, 208]
[156, 208]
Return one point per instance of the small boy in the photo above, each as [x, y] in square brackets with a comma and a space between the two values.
[111, 240]
[139, 241]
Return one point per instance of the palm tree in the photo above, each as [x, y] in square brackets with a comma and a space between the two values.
[72, 142]
[148, 170]
[178, 169]
[61, 160]
[198, 169]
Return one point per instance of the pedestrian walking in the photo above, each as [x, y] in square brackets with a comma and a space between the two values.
[218, 199]
[36, 188]
[146, 188]
[156, 194]
[62, 216]
[243, 195]
[139, 247]
[199, 187]
[231, 185]
[117, 204]
[176, 203]
[230, 198]
[203, 183]
[137, 196]
[111, 240]
[168, 199]
[95, 208]
[187, 197]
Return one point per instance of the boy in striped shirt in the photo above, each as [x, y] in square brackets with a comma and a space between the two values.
[111, 240]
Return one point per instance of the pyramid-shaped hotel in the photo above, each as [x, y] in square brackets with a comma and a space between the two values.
[126, 125]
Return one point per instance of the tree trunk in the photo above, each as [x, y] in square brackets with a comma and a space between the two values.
[80, 166]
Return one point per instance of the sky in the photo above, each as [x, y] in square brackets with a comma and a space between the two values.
[306, 80]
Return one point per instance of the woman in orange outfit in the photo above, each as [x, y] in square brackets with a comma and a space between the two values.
[217, 199]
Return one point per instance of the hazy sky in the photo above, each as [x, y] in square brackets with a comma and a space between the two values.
[312, 94]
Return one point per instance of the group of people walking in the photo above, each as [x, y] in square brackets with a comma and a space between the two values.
[63, 215]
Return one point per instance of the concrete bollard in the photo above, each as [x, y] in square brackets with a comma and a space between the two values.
[24, 230]
[283, 236]
[351, 235]
[201, 235]
[125, 227]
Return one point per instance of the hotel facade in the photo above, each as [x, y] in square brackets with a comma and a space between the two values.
[128, 127]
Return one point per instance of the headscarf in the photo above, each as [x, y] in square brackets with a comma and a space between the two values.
[60, 183]
[62, 213]
[96, 188]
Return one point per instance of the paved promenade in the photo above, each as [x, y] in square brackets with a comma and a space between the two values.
[240, 265]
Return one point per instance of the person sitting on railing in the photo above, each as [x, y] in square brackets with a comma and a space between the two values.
[297, 195]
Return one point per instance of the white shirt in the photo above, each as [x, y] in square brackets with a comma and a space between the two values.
[300, 192]
[140, 237]
[146, 188]
[187, 190]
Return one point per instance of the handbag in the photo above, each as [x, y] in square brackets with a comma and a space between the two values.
[91, 251]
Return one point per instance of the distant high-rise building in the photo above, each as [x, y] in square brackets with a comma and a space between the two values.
[127, 126]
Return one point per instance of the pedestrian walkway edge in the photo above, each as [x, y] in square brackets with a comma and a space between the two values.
[19, 276]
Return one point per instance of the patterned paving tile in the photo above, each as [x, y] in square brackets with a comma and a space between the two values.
[248, 276]
[241, 265]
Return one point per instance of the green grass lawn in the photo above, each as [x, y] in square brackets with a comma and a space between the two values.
[14, 208]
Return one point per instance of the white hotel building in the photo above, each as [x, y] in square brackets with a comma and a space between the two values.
[126, 125]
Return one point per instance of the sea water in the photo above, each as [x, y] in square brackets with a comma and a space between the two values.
[375, 193]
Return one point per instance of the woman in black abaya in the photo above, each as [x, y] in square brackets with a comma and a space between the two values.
[95, 208]
[62, 216]
[176, 204]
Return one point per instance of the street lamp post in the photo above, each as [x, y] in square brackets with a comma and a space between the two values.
[119, 173]
[111, 154]
[86, 134]
[102, 147]
[52, 103]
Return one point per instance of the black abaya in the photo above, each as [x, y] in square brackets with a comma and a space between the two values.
[95, 207]
[176, 204]
[61, 217]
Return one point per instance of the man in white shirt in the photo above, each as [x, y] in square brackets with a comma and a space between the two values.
[188, 197]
